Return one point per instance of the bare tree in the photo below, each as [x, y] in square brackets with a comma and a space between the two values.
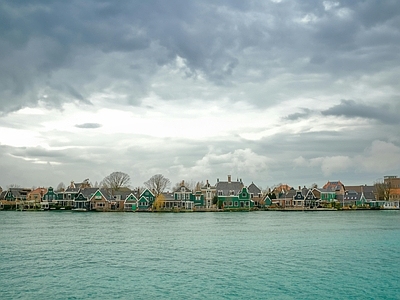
[13, 185]
[383, 190]
[157, 183]
[60, 187]
[115, 181]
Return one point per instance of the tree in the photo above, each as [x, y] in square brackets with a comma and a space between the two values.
[60, 187]
[116, 181]
[13, 185]
[159, 202]
[383, 189]
[157, 183]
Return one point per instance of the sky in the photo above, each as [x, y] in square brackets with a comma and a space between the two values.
[296, 92]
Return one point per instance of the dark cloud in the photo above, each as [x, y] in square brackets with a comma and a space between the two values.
[352, 109]
[261, 54]
[300, 115]
[70, 50]
[88, 125]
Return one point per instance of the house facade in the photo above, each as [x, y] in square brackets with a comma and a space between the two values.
[241, 200]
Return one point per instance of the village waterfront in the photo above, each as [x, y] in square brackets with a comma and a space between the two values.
[242, 255]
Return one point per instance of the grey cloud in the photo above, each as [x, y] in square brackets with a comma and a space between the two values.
[35, 152]
[88, 125]
[45, 43]
[351, 109]
[300, 115]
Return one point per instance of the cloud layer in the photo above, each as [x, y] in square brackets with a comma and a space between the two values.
[271, 91]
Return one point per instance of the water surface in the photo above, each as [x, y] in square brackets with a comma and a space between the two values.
[248, 255]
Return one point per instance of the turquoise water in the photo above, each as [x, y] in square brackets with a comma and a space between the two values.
[253, 255]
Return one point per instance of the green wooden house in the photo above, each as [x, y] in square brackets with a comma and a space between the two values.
[131, 203]
[143, 204]
[149, 196]
[198, 199]
[241, 200]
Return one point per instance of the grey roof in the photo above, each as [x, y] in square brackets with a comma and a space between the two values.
[19, 192]
[71, 190]
[253, 189]
[88, 192]
[362, 188]
[178, 189]
[124, 194]
[289, 194]
[168, 196]
[227, 186]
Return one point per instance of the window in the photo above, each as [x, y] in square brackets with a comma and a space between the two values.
[231, 193]
[236, 203]
[219, 193]
[251, 195]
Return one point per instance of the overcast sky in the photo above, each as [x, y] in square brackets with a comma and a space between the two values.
[297, 92]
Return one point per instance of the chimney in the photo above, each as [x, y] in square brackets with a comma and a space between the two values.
[229, 178]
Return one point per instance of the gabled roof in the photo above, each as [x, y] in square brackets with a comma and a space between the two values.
[88, 192]
[40, 190]
[227, 186]
[123, 194]
[253, 189]
[289, 194]
[19, 192]
[103, 192]
[146, 190]
[143, 199]
[179, 189]
[310, 194]
[298, 195]
[130, 197]
[207, 185]
[281, 188]
[71, 190]
[333, 185]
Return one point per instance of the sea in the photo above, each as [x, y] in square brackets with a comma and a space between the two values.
[221, 255]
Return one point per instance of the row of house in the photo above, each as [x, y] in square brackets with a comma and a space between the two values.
[224, 195]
